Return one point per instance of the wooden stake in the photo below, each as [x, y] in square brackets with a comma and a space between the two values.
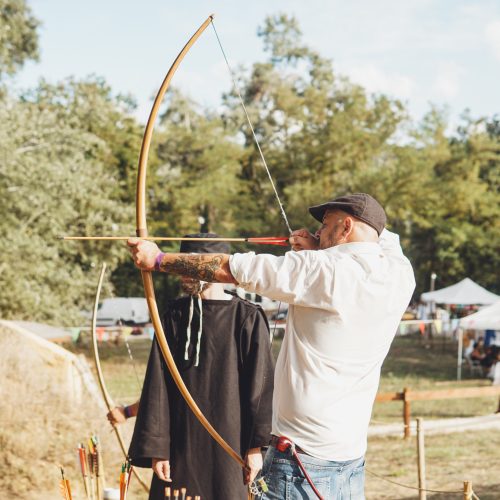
[406, 413]
[422, 494]
[467, 490]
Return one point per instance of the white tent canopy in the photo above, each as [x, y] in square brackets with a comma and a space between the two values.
[465, 292]
[487, 318]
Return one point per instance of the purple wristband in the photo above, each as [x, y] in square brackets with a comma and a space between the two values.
[158, 260]
[126, 410]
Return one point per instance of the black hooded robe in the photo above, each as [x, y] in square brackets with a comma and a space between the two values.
[232, 385]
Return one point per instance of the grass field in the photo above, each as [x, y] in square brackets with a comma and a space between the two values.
[451, 458]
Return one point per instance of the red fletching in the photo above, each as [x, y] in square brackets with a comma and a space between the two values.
[270, 240]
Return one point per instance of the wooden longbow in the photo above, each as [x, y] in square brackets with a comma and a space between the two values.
[100, 377]
[142, 232]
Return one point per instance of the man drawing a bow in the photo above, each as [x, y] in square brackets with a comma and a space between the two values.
[347, 286]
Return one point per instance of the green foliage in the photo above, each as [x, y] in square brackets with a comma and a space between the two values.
[55, 181]
[324, 136]
[69, 155]
[452, 224]
[196, 180]
[18, 35]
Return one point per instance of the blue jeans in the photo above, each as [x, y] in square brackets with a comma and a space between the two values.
[334, 480]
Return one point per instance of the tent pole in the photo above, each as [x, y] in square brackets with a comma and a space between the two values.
[460, 333]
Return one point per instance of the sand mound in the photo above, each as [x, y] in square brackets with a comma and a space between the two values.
[48, 404]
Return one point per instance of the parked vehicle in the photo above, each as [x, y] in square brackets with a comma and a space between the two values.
[123, 310]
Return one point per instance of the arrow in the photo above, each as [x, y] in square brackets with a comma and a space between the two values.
[262, 240]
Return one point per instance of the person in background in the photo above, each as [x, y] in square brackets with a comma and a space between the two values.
[221, 345]
[478, 352]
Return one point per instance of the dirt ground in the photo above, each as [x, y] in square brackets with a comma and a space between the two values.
[39, 430]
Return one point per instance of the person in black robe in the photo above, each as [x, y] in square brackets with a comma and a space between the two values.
[221, 345]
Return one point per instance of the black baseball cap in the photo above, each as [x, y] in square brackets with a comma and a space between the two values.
[361, 205]
[204, 246]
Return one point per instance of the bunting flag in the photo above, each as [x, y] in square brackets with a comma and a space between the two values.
[75, 334]
[100, 333]
[150, 331]
[438, 324]
[126, 331]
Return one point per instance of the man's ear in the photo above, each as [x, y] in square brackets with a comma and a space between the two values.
[348, 226]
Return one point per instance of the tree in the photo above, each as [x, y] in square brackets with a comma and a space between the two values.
[457, 230]
[195, 183]
[322, 135]
[69, 158]
[55, 180]
[18, 36]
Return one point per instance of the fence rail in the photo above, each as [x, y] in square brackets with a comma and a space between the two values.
[408, 395]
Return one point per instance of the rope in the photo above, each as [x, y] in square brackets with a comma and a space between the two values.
[413, 426]
[238, 93]
[382, 422]
[50, 419]
[410, 487]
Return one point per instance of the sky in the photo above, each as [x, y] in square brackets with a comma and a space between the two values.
[444, 52]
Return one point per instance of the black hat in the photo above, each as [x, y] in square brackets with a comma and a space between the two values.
[360, 205]
[204, 246]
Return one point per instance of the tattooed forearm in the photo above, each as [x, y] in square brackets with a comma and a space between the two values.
[200, 267]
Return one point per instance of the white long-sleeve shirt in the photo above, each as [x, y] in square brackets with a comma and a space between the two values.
[345, 306]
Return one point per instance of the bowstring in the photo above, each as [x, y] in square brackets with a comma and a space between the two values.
[264, 163]
[238, 93]
[139, 385]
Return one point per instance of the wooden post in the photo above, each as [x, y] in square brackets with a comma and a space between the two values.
[467, 490]
[406, 413]
[422, 494]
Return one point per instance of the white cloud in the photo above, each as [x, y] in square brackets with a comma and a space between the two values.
[492, 32]
[447, 82]
[377, 80]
